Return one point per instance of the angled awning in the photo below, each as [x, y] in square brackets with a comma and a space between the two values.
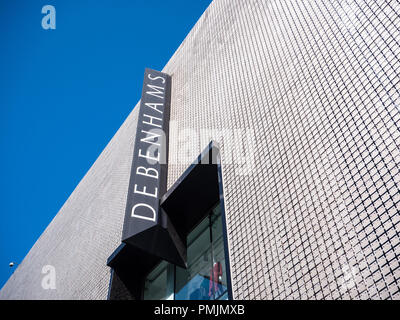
[194, 193]
[185, 204]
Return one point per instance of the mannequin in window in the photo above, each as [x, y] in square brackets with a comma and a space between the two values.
[215, 280]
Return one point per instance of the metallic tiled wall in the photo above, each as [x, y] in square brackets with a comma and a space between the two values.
[315, 84]
[303, 97]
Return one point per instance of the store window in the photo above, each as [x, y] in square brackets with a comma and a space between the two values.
[194, 235]
[206, 275]
[159, 284]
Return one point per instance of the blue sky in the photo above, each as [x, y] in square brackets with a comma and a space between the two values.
[65, 92]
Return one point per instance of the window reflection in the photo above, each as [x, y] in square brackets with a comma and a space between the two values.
[205, 277]
[158, 284]
[192, 283]
[218, 275]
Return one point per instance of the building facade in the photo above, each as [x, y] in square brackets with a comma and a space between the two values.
[303, 100]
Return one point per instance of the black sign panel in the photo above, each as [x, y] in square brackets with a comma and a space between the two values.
[148, 174]
[145, 226]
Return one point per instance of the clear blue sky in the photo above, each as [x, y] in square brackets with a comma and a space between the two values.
[65, 92]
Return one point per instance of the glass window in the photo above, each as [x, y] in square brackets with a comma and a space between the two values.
[218, 274]
[157, 285]
[205, 278]
[192, 283]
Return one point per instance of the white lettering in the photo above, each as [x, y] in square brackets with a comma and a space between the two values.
[134, 215]
[145, 172]
[151, 121]
[156, 78]
[154, 195]
[154, 106]
[158, 91]
[148, 156]
[151, 136]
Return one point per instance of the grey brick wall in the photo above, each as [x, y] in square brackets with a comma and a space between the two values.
[316, 86]
[318, 82]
